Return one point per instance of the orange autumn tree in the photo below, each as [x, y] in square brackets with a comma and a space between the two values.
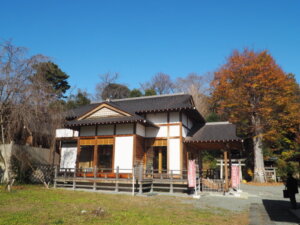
[252, 91]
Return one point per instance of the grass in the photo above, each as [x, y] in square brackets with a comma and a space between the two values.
[36, 205]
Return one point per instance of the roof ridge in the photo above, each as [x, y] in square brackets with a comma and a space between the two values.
[145, 97]
[216, 123]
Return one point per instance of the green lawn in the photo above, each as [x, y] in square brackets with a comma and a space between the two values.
[36, 205]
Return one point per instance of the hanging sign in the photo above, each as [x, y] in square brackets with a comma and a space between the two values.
[235, 176]
[192, 173]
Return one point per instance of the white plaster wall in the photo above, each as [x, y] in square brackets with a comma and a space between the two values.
[66, 133]
[123, 153]
[151, 131]
[174, 155]
[163, 131]
[157, 132]
[124, 129]
[184, 132]
[174, 131]
[87, 131]
[105, 130]
[184, 119]
[140, 130]
[68, 156]
[158, 118]
[174, 117]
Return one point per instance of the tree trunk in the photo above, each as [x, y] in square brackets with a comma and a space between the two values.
[6, 156]
[259, 167]
[6, 153]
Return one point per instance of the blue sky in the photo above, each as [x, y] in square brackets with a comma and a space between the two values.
[140, 38]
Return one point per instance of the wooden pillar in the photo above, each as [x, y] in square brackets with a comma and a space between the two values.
[95, 161]
[160, 160]
[141, 179]
[226, 169]
[201, 163]
[221, 169]
[74, 179]
[151, 189]
[78, 152]
[117, 180]
[134, 161]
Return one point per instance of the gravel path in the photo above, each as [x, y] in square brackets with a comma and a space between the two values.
[264, 203]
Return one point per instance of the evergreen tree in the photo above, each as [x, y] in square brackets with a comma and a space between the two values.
[54, 75]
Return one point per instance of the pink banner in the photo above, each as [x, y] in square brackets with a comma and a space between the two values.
[192, 173]
[235, 176]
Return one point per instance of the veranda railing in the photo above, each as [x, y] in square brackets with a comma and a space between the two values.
[140, 179]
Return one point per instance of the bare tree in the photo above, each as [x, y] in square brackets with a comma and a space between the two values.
[198, 87]
[29, 110]
[161, 83]
[105, 80]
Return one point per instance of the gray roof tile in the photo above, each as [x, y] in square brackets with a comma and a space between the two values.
[157, 103]
[109, 120]
[214, 132]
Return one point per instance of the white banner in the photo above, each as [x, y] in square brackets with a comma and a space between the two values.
[192, 173]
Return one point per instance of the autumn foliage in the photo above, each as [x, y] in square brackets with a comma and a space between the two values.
[252, 91]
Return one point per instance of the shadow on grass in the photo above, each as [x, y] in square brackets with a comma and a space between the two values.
[278, 211]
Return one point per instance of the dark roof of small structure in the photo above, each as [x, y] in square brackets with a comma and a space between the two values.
[213, 132]
[138, 106]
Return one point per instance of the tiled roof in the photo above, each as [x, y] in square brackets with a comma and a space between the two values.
[214, 132]
[157, 103]
[109, 120]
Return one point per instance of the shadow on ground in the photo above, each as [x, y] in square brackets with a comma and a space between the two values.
[278, 211]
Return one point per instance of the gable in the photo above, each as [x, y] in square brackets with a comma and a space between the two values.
[104, 111]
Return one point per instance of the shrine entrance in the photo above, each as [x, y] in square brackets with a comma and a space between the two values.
[160, 159]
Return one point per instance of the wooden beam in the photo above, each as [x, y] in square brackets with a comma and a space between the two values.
[113, 155]
[226, 169]
[95, 161]
[160, 160]
[230, 163]
[78, 152]
[215, 145]
[134, 151]
[115, 129]
[134, 128]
